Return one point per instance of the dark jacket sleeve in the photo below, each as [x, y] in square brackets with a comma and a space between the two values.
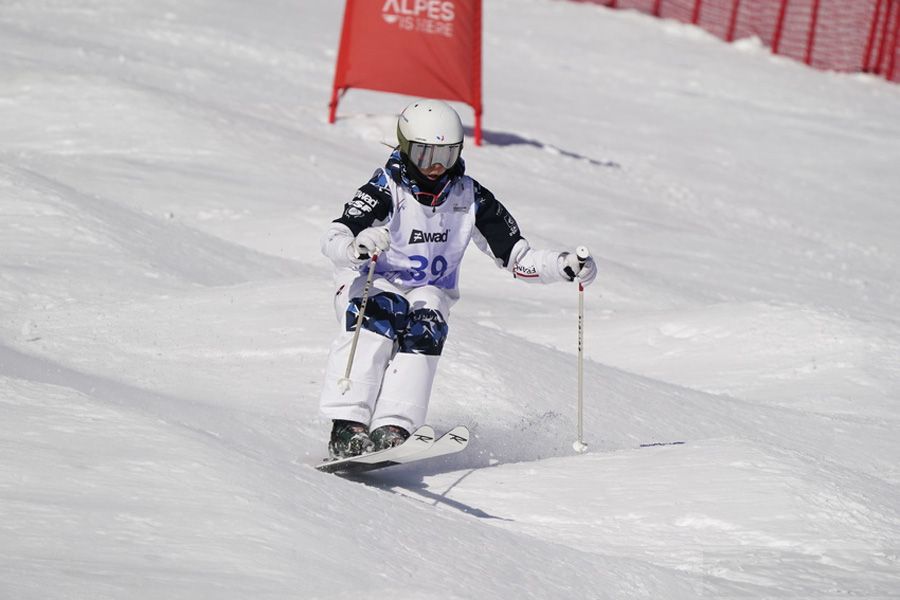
[494, 222]
[371, 205]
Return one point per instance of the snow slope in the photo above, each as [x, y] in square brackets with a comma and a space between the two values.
[165, 173]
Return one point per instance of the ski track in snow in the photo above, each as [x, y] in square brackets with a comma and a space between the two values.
[165, 314]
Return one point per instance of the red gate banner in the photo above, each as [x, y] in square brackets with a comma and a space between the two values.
[424, 48]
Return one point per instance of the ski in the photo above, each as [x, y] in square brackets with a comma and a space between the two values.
[419, 446]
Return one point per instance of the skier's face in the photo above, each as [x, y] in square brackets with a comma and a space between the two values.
[434, 172]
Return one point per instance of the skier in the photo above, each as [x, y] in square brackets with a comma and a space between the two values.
[416, 215]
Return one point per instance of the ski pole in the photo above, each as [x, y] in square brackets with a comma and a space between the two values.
[583, 254]
[344, 382]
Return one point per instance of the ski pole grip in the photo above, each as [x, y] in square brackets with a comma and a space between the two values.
[583, 254]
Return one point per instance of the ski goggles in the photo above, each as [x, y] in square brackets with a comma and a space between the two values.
[428, 155]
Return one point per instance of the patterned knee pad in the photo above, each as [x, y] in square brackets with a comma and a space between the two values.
[426, 331]
[386, 314]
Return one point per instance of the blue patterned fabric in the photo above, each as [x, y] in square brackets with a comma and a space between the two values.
[386, 314]
[420, 331]
[425, 333]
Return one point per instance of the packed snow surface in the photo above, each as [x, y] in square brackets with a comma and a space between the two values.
[166, 169]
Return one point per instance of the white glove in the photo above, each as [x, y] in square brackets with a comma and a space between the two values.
[570, 267]
[369, 241]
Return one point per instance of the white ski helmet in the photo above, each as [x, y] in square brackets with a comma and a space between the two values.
[430, 132]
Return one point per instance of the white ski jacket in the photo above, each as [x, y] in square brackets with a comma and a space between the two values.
[431, 232]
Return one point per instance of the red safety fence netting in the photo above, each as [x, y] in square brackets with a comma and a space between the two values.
[839, 35]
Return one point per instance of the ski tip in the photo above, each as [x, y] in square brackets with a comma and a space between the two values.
[424, 433]
[459, 434]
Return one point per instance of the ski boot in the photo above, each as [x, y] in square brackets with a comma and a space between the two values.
[388, 436]
[348, 438]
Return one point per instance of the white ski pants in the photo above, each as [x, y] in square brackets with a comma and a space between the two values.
[387, 387]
